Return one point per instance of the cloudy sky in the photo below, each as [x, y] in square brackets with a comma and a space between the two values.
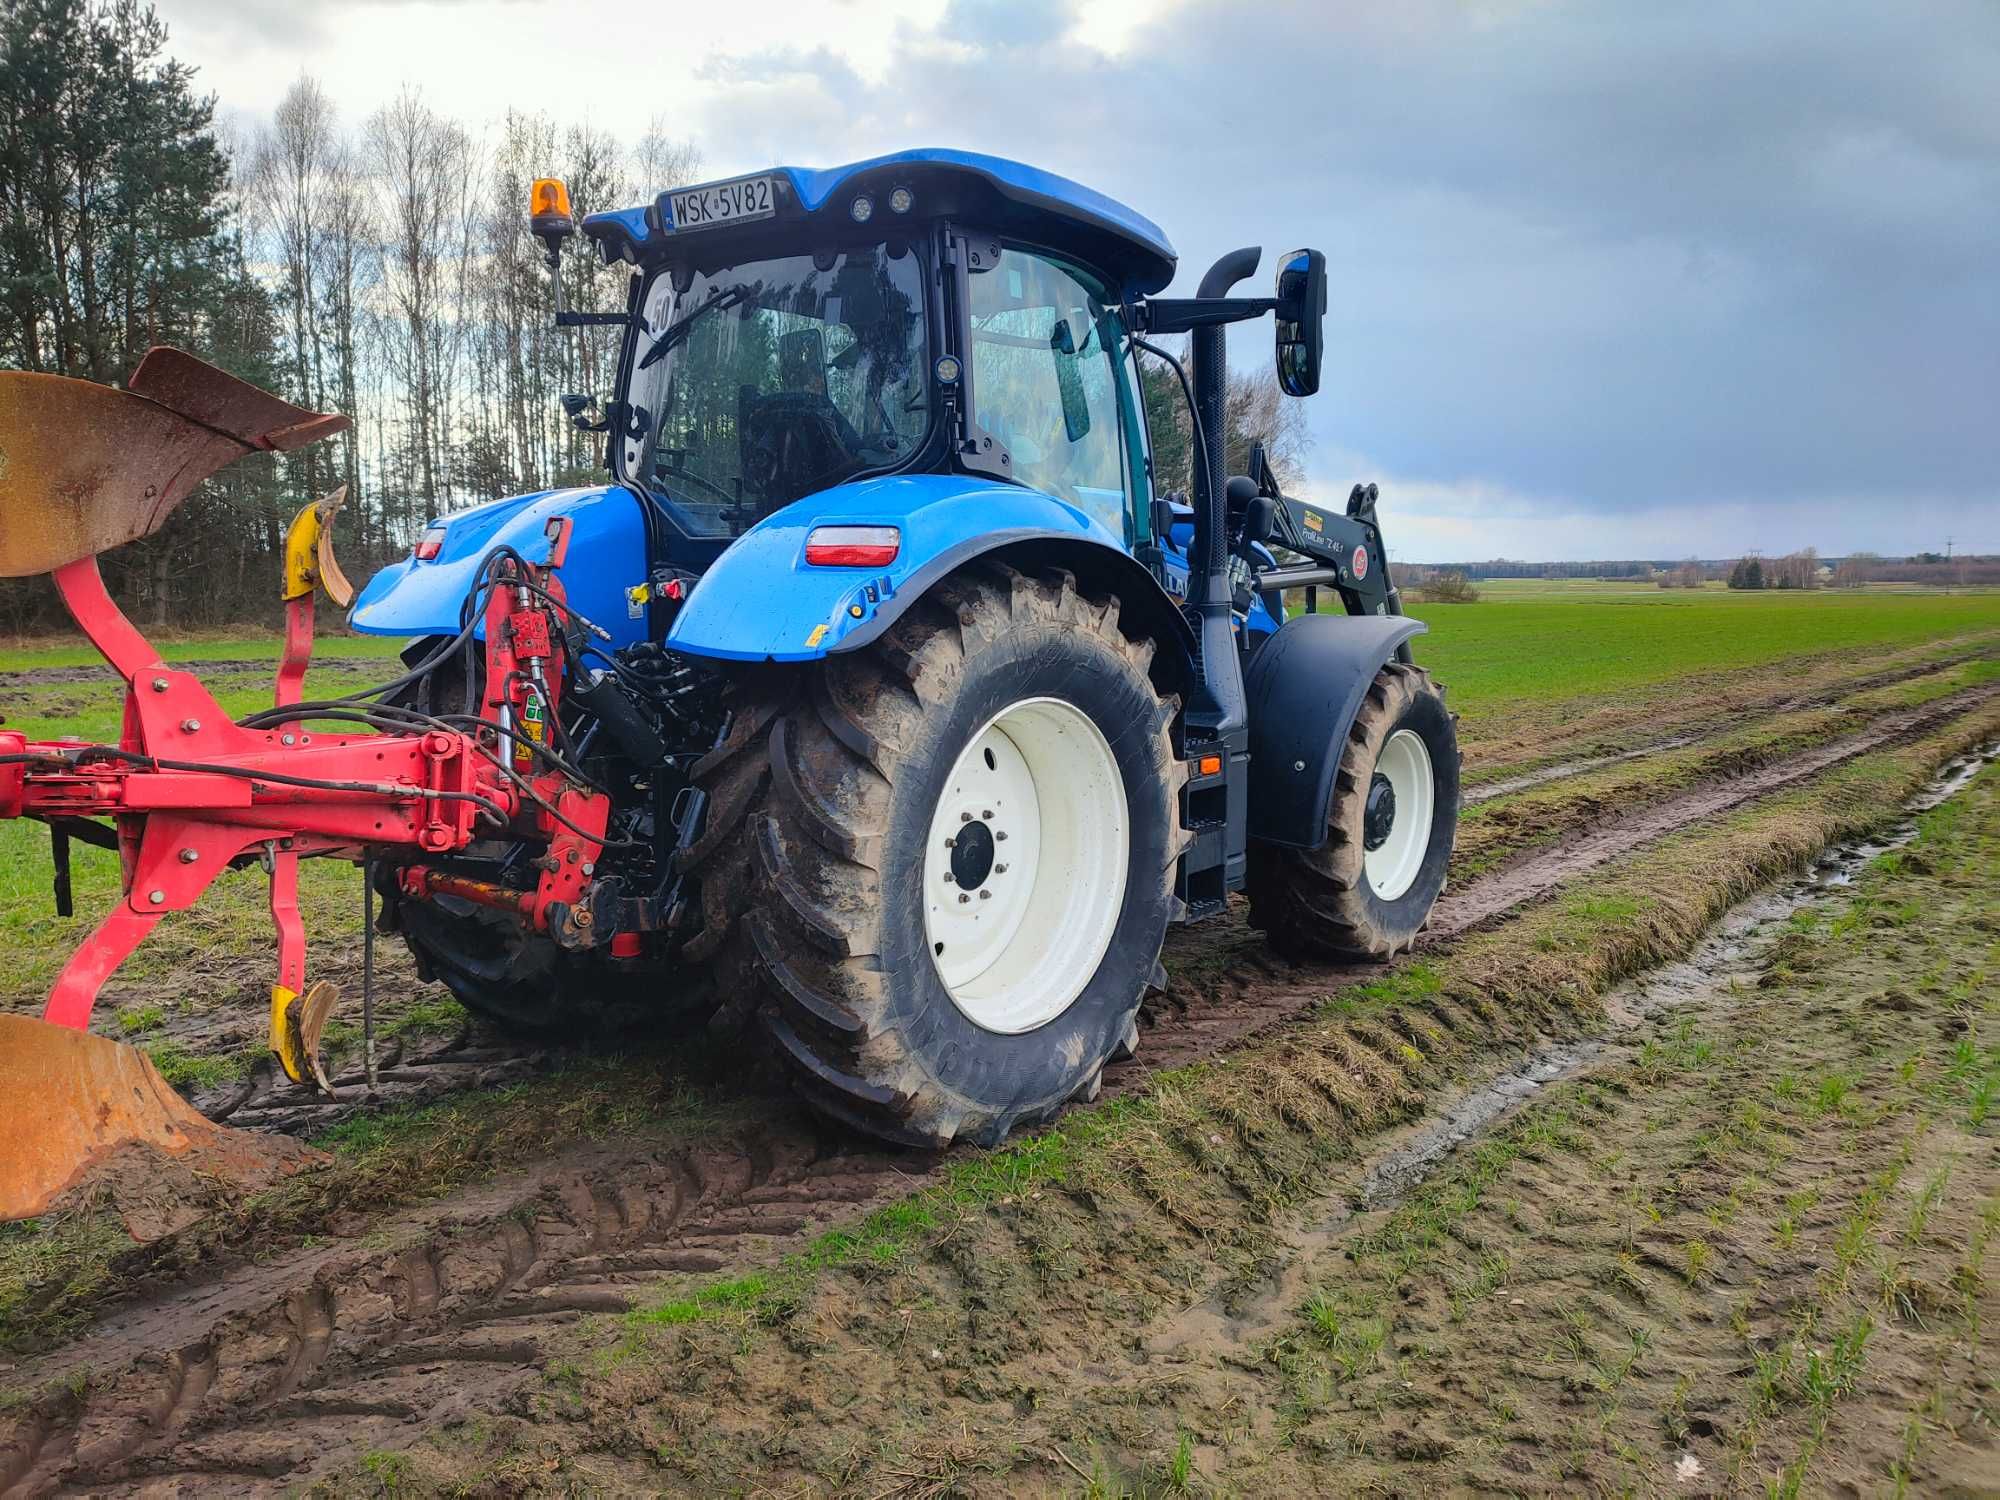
[1608, 279]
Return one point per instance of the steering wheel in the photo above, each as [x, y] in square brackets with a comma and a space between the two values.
[682, 471]
[791, 440]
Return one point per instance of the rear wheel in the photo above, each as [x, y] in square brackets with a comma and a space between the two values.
[527, 984]
[517, 980]
[964, 870]
[1368, 890]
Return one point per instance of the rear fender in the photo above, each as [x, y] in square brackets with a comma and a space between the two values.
[606, 559]
[1304, 687]
[761, 600]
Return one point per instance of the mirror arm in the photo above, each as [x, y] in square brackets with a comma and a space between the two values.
[1185, 314]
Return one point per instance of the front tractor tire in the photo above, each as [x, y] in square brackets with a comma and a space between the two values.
[1367, 891]
[963, 872]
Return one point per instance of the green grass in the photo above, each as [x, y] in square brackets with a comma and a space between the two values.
[17, 655]
[1528, 645]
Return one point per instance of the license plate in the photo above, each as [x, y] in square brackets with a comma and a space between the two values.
[725, 203]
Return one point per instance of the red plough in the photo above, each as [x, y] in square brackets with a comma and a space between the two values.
[187, 793]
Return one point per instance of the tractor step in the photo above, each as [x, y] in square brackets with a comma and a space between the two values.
[1212, 812]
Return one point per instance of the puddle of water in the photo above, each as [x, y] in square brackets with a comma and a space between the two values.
[1731, 952]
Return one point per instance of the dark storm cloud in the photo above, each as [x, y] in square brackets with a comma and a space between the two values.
[1620, 256]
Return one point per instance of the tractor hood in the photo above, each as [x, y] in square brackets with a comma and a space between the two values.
[607, 557]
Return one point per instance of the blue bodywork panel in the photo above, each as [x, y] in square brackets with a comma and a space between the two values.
[1133, 245]
[761, 600]
[607, 556]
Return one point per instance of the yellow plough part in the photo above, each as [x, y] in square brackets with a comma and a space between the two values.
[297, 1022]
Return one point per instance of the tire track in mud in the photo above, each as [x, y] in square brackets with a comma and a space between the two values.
[291, 1369]
[1711, 727]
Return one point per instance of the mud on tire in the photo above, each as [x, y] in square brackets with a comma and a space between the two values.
[851, 993]
[1321, 904]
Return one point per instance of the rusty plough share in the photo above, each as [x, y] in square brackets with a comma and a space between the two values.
[186, 793]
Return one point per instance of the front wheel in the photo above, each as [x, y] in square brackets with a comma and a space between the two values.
[964, 871]
[1368, 890]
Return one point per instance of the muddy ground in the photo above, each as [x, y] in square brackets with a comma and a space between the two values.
[365, 1332]
[1738, 1241]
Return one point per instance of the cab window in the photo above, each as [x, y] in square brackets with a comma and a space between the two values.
[1044, 385]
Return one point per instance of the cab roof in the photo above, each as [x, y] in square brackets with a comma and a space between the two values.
[986, 192]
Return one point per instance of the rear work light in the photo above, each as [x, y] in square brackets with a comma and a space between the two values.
[853, 546]
[429, 545]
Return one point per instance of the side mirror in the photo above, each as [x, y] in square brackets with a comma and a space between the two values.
[549, 216]
[1260, 519]
[578, 409]
[1300, 315]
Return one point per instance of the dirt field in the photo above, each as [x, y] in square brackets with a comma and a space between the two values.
[1528, 1212]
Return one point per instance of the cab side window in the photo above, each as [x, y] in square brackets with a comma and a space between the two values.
[1043, 382]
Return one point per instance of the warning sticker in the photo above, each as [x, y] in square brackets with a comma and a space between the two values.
[1315, 521]
[818, 635]
[1360, 562]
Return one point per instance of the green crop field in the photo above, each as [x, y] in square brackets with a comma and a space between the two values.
[1527, 641]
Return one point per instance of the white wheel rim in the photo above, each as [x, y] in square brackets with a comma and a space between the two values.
[1036, 799]
[1393, 864]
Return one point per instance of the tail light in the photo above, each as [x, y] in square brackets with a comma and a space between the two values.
[429, 545]
[853, 546]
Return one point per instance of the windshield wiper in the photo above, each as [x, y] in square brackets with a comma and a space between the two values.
[674, 332]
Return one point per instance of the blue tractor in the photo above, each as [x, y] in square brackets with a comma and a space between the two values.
[922, 714]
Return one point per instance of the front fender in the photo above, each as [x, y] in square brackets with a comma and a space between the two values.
[761, 600]
[1303, 689]
[607, 556]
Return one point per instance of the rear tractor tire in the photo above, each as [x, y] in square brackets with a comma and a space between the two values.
[1367, 891]
[518, 981]
[964, 869]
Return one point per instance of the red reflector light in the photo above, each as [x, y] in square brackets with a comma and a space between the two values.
[853, 546]
[430, 544]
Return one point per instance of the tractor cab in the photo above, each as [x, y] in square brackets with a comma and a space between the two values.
[928, 312]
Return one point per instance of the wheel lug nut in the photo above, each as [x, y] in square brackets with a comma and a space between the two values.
[985, 895]
[963, 898]
[951, 843]
[965, 817]
[1000, 835]
[999, 869]
[986, 815]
